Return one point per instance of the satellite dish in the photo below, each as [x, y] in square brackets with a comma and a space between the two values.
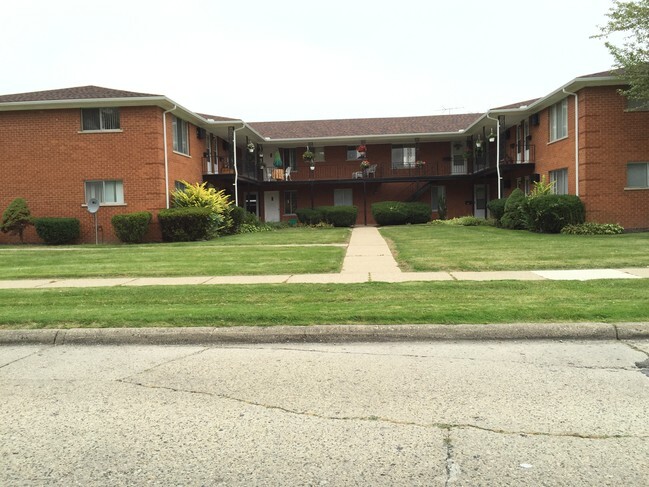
[93, 205]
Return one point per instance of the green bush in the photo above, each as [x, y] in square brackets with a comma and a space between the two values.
[593, 229]
[497, 208]
[310, 216]
[339, 216]
[131, 227]
[186, 224]
[400, 213]
[200, 195]
[516, 215]
[57, 231]
[549, 213]
[238, 216]
[16, 218]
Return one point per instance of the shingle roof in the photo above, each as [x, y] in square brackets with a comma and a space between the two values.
[604, 74]
[517, 105]
[77, 93]
[305, 129]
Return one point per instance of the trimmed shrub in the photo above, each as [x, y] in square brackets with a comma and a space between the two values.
[516, 212]
[593, 229]
[549, 213]
[57, 231]
[310, 216]
[16, 218]
[238, 216]
[131, 227]
[339, 216]
[199, 195]
[400, 213]
[497, 208]
[186, 224]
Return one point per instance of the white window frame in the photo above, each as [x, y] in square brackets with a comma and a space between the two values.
[641, 167]
[559, 120]
[180, 132]
[319, 154]
[560, 179]
[404, 156]
[108, 117]
[100, 188]
[353, 154]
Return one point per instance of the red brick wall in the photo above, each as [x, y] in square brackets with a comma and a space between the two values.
[45, 159]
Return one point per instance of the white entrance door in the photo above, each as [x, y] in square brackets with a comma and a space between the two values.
[271, 206]
[480, 200]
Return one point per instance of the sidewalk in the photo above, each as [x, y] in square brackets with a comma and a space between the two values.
[368, 259]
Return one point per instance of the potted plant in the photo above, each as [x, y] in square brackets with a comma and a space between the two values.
[365, 164]
[420, 163]
[251, 147]
[361, 148]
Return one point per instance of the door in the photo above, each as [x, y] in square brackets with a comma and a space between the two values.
[459, 154]
[271, 206]
[480, 200]
[526, 141]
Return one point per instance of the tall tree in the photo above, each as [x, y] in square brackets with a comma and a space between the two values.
[630, 50]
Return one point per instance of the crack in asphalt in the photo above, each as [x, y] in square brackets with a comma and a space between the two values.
[396, 422]
[165, 362]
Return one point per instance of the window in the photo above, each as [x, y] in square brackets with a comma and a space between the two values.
[179, 185]
[437, 192]
[319, 153]
[559, 120]
[637, 175]
[106, 192]
[634, 105]
[560, 180]
[343, 197]
[290, 202]
[403, 156]
[353, 154]
[99, 119]
[288, 158]
[181, 139]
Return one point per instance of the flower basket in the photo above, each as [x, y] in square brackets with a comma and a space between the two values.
[251, 147]
[365, 164]
[420, 163]
[308, 156]
[361, 149]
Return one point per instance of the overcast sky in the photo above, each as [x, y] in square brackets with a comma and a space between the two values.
[298, 59]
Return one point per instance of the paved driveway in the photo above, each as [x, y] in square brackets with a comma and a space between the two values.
[466, 413]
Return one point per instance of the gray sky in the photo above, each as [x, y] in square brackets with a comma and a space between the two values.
[294, 59]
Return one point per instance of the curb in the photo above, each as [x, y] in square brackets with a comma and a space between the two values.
[325, 334]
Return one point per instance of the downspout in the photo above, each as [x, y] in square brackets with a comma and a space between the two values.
[236, 169]
[164, 139]
[576, 139]
[497, 120]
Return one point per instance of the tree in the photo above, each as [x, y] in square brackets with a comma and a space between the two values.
[630, 18]
[16, 218]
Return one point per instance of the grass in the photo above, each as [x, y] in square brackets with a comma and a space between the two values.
[247, 254]
[369, 303]
[484, 248]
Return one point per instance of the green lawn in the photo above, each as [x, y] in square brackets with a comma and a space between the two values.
[289, 251]
[369, 303]
[484, 248]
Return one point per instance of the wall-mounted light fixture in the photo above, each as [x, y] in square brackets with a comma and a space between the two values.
[492, 136]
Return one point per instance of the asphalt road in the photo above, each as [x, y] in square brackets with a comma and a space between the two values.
[488, 413]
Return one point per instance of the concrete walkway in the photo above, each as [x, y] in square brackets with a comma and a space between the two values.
[368, 259]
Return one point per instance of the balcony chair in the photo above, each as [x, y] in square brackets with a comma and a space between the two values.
[371, 171]
[287, 174]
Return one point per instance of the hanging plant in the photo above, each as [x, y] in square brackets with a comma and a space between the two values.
[361, 148]
[251, 147]
[308, 156]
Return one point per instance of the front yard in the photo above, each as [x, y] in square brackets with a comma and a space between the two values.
[483, 248]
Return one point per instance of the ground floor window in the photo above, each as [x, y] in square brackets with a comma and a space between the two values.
[343, 197]
[560, 180]
[105, 191]
[637, 175]
[438, 195]
[290, 202]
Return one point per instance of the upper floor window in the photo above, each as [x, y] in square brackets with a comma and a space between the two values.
[637, 175]
[180, 135]
[352, 153]
[319, 153]
[559, 120]
[560, 180]
[288, 158]
[634, 105]
[105, 191]
[100, 119]
[403, 156]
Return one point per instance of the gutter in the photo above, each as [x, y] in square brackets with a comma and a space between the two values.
[497, 120]
[164, 138]
[236, 169]
[576, 139]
